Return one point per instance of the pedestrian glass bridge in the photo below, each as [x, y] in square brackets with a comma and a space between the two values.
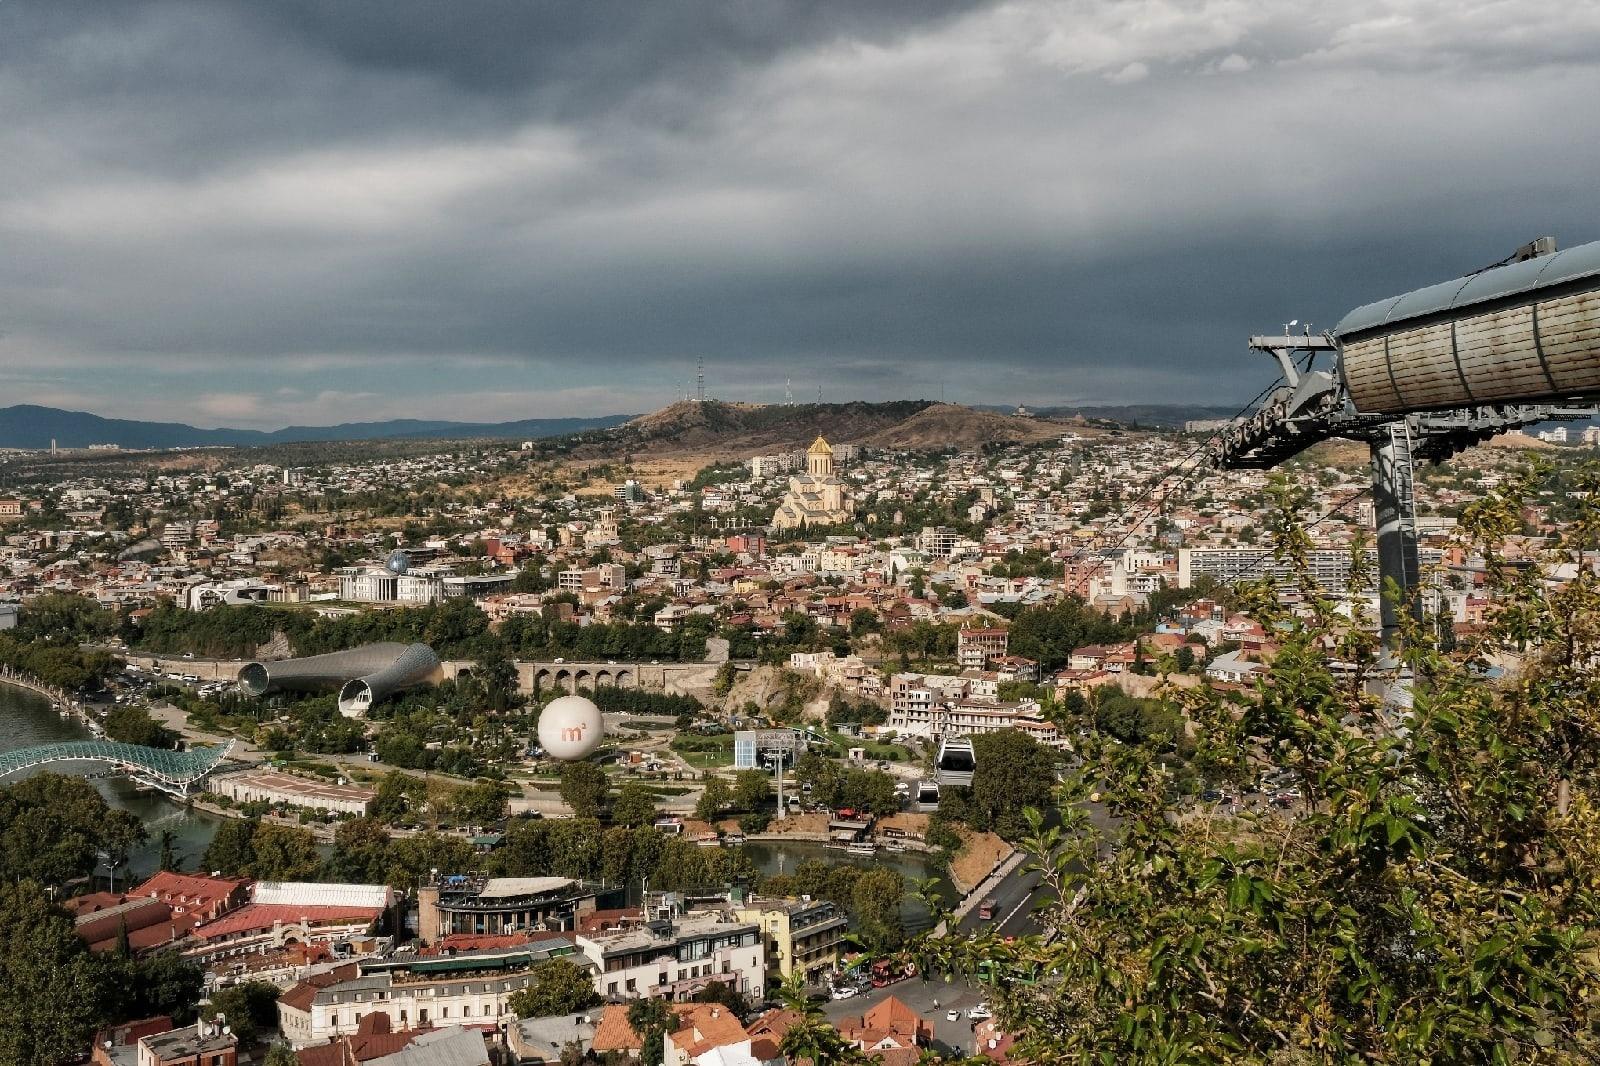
[174, 772]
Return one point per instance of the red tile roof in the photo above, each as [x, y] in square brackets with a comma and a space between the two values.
[258, 917]
[300, 996]
[149, 923]
[212, 895]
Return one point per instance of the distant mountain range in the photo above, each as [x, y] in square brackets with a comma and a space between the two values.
[30, 426]
[683, 426]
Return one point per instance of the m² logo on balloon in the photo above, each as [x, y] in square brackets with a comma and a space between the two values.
[570, 728]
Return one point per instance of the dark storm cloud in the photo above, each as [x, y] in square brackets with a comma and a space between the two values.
[254, 211]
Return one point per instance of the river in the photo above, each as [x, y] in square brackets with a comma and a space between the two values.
[27, 719]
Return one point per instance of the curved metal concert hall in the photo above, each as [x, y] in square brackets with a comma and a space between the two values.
[362, 676]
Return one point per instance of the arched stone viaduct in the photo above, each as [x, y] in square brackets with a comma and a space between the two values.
[540, 678]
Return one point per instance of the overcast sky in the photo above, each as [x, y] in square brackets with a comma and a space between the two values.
[277, 211]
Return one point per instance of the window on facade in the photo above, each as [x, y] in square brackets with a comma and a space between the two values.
[444, 1013]
[333, 1019]
[466, 1012]
[611, 988]
[630, 985]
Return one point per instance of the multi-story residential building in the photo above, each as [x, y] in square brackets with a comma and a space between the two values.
[177, 534]
[1330, 568]
[205, 1043]
[804, 936]
[613, 576]
[469, 987]
[938, 542]
[677, 955]
[975, 647]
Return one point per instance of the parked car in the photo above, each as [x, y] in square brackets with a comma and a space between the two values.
[952, 1016]
[979, 1013]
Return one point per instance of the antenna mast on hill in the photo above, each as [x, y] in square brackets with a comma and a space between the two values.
[788, 394]
[819, 393]
[700, 380]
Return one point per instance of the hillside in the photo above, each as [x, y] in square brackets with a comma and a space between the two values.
[715, 429]
[948, 425]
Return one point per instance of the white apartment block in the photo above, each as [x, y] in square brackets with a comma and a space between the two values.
[473, 992]
[1330, 567]
[674, 958]
[612, 576]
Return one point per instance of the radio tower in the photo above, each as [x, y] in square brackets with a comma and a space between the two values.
[788, 394]
[700, 379]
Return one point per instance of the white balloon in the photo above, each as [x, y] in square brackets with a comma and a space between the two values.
[570, 728]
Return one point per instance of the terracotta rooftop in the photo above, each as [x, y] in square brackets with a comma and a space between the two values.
[258, 917]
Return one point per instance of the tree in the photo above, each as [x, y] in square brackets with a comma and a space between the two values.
[231, 852]
[635, 805]
[752, 790]
[248, 1008]
[280, 1054]
[875, 902]
[1432, 898]
[725, 994]
[169, 854]
[397, 794]
[483, 802]
[360, 852]
[164, 983]
[1012, 772]
[649, 1019]
[50, 828]
[413, 858]
[556, 986]
[825, 777]
[121, 832]
[50, 995]
[714, 799]
[283, 853]
[812, 1037]
[584, 787]
[133, 725]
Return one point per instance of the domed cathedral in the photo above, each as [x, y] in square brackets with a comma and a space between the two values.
[815, 498]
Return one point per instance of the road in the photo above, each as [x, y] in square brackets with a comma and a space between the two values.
[920, 996]
[1014, 914]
